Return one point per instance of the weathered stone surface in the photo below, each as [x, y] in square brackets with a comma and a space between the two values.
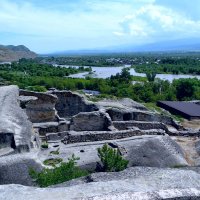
[197, 145]
[91, 121]
[70, 104]
[15, 129]
[117, 114]
[14, 169]
[51, 127]
[153, 151]
[41, 109]
[125, 103]
[131, 184]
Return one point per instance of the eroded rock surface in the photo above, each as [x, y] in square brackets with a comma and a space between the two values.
[131, 184]
[15, 128]
[14, 169]
[41, 109]
[70, 104]
[152, 151]
[124, 103]
[91, 121]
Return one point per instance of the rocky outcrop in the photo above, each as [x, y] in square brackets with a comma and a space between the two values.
[131, 184]
[41, 109]
[70, 104]
[91, 121]
[152, 150]
[15, 129]
[14, 169]
[14, 53]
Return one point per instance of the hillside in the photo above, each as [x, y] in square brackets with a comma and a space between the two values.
[14, 53]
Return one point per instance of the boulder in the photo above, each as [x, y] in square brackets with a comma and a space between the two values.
[14, 169]
[15, 128]
[91, 121]
[40, 107]
[158, 151]
[131, 184]
[71, 103]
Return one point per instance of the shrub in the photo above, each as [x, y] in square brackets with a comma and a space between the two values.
[45, 145]
[65, 172]
[111, 159]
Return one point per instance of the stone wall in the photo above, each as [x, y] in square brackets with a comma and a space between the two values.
[70, 104]
[69, 137]
[123, 125]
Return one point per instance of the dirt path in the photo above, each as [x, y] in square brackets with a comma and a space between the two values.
[188, 145]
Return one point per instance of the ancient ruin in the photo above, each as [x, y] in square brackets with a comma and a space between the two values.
[154, 145]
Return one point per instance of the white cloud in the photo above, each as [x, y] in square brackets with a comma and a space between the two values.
[158, 22]
[82, 24]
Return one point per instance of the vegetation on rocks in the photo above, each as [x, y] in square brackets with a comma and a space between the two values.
[45, 145]
[65, 172]
[111, 159]
[53, 161]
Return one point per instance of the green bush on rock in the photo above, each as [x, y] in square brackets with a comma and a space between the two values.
[111, 159]
[65, 172]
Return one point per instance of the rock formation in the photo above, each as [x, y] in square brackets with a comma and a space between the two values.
[14, 169]
[40, 109]
[91, 121]
[71, 124]
[15, 129]
[131, 184]
[70, 104]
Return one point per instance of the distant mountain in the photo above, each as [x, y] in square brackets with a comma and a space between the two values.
[13, 53]
[181, 45]
[170, 45]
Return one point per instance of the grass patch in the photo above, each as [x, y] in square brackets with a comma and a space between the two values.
[179, 166]
[52, 161]
[55, 152]
[154, 107]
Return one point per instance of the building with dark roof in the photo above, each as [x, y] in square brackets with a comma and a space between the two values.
[188, 110]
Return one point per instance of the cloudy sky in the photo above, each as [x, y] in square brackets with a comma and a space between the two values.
[55, 25]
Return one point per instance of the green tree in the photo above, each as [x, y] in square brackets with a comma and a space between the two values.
[184, 89]
[111, 159]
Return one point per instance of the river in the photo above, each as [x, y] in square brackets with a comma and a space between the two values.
[105, 72]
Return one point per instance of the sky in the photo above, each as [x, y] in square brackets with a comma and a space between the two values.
[47, 26]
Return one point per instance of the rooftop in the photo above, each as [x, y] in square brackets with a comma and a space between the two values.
[187, 109]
